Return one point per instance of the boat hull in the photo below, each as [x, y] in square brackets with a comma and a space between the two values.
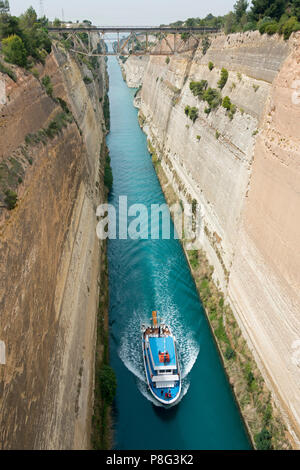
[160, 393]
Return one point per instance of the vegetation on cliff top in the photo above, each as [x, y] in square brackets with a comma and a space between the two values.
[25, 39]
[267, 16]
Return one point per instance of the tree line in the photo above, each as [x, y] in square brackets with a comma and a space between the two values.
[267, 16]
[24, 39]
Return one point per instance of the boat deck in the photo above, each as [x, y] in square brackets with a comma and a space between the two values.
[157, 331]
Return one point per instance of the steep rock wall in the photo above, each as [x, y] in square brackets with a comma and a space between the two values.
[244, 174]
[133, 70]
[50, 255]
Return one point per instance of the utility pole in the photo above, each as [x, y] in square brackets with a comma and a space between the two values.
[63, 15]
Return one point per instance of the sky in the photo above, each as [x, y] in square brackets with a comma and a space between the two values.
[125, 12]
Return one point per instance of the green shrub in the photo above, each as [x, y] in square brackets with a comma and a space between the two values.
[232, 111]
[271, 29]
[10, 199]
[250, 378]
[221, 333]
[250, 26]
[199, 88]
[263, 26]
[217, 135]
[210, 65]
[106, 112]
[56, 125]
[284, 18]
[213, 98]
[224, 77]
[108, 383]
[263, 440]
[87, 80]
[108, 176]
[226, 103]
[35, 73]
[267, 414]
[185, 36]
[46, 81]
[8, 71]
[263, 22]
[229, 353]
[191, 112]
[194, 258]
[206, 43]
[14, 50]
[167, 60]
[291, 26]
[64, 105]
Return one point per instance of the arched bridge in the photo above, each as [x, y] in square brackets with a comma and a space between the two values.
[135, 40]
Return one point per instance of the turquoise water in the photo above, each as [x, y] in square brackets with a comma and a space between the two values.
[146, 275]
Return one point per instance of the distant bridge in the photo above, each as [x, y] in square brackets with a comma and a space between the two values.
[169, 40]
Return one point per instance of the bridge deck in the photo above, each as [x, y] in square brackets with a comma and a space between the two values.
[136, 29]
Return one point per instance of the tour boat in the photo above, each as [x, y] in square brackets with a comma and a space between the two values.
[161, 361]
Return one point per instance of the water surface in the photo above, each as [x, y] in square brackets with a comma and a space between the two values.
[146, 275]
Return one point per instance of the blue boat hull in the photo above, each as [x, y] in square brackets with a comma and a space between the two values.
[160, 394]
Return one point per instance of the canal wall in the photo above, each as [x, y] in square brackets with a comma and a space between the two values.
[243, 171]
[50, 254]
[133, 70]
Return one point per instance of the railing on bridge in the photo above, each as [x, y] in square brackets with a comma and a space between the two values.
[138, 41]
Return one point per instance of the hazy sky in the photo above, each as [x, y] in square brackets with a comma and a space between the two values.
[125, 12]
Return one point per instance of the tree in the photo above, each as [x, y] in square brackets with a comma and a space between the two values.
[272, 8]
[230, 22]
[14, 50]
[240, 8]
[4, 7]
[296, 9]
[191, 22]
[9, 25]
[29, 19]
[56, 23]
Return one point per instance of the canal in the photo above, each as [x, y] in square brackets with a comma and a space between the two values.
[146, 275]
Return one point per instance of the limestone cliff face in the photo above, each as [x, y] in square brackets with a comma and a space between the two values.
[133, 70]
[50, 255]
[244, 174]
